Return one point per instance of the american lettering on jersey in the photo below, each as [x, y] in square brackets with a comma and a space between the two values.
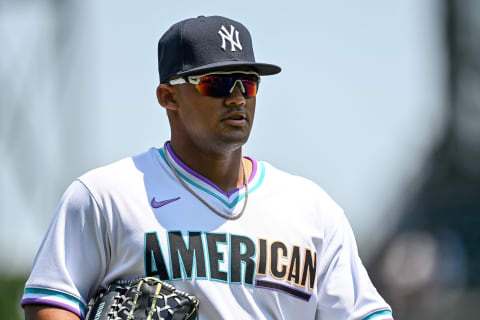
[232, 258]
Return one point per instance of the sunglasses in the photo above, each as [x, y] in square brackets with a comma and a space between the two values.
[221, 84]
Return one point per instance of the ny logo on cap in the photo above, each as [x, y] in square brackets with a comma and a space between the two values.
[223, 32]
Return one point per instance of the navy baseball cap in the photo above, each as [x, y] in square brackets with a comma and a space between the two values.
[205, 44]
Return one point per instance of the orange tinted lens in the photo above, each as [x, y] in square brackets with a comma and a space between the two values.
[251, 87]
[220, 85]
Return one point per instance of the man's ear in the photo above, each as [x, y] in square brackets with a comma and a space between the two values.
[166, 97]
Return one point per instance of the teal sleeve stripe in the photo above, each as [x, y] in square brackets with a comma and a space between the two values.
[61, 295]
[379, 313]
[229, 205]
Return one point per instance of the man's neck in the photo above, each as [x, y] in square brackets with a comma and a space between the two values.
[223, 169]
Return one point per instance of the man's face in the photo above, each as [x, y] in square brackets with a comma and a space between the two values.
[212, 124]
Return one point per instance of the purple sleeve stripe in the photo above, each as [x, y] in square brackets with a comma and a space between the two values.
[53, 304]
[380, 315]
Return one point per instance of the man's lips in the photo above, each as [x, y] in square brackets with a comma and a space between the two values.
[237, 118]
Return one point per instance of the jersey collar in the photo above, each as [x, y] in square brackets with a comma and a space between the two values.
[201, 183]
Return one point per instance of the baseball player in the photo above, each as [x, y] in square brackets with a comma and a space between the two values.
[249, 240]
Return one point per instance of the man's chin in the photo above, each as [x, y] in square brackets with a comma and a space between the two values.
[234, 141]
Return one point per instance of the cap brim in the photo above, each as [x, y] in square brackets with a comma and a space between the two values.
[263, 69]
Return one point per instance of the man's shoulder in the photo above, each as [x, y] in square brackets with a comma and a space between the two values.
[121, 172]
[287, 179]
[295, 184]
[308, 199]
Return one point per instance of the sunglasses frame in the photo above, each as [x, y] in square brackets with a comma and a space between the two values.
[195, 79]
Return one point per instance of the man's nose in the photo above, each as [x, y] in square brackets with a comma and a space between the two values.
[236, 97]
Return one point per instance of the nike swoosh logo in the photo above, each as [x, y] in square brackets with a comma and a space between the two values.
[159, 204]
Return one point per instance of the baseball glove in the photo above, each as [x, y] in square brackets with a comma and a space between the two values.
[142, 299]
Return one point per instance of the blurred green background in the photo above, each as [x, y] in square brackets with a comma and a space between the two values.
[11, 290]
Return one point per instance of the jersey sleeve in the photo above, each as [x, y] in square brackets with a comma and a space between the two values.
[344, 288]
[73, 256]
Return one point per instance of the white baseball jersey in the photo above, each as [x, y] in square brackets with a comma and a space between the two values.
[291, 255]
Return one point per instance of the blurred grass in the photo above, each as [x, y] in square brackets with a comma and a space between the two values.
[11, 291]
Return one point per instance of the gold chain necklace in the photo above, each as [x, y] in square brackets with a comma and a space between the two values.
[221, 214]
